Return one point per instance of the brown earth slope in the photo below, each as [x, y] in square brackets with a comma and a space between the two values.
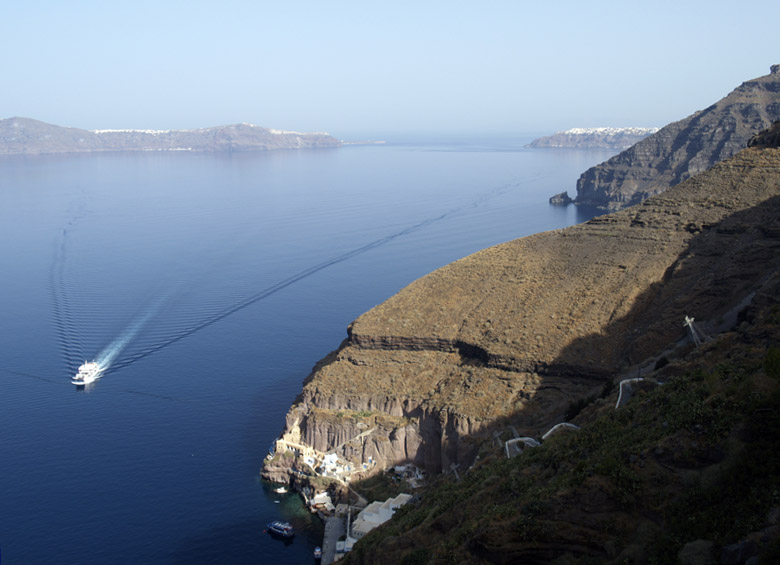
[684, 148]
[687, 472]
[515, 333]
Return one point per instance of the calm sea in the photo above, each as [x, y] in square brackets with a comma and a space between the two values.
[212, 284]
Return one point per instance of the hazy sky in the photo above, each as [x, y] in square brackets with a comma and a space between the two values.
[366, 68]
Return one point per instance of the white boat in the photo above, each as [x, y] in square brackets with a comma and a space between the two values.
[280, 490]
[89, 372]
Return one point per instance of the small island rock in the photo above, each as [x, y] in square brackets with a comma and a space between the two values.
[561, 199]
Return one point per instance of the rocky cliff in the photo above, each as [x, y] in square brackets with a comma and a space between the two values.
[687, 472]
[591, 138]
[512, 335]
[32, 137]
[684, 148]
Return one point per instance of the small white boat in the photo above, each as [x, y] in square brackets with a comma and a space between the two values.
[280, 490]
[89, 372]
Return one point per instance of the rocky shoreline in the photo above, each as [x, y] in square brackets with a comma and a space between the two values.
[537, 331]
[514, 334]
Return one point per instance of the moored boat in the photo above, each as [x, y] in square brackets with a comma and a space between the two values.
[281, 529]
[318, 552]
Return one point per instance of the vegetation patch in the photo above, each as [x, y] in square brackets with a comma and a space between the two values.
[695, 458]
[381, 486]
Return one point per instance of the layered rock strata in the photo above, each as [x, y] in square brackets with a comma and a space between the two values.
[684, 148]
[510, 336]
[32, 137]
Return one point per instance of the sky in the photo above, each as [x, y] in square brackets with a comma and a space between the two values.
[364, 69]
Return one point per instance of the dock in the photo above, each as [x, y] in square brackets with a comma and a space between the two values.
[334, 529]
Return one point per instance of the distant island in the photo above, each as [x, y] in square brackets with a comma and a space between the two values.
[594, 138]
[32, 137]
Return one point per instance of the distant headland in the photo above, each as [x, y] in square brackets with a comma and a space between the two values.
[594, 138]
[32, 137]
[683, 148]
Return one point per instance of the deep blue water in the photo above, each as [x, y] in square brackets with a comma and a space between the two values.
[218, 281]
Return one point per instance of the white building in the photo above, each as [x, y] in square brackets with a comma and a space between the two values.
[322, 499]
[375, 514]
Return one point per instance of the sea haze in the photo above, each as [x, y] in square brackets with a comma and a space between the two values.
[213, 283]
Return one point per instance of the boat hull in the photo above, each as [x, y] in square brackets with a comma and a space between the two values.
[88, 373]
[281, 530]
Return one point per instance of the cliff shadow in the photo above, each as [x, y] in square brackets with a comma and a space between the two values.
[711, 280]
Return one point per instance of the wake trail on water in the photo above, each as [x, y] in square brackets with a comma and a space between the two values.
[273, 289]
[65, 328]
[108, 355]
[285, 283]
[62, 316]
[112, 355]
[14, 372]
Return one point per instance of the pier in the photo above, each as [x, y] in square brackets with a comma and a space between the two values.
[334, 529]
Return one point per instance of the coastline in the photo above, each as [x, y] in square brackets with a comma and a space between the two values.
[500, 340]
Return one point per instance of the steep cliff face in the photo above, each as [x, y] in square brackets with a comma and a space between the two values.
[511, 335]
[683, 473]
[683, 149]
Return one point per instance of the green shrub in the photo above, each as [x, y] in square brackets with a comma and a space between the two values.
[416, 557]
[607, 389]
[661, 363]
[577, 406]
[772, 362]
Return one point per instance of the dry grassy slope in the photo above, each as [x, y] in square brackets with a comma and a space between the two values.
[545, 301]
[521, 329]
[527, 299]
[687, 472]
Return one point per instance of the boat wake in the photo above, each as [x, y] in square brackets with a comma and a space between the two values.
[105, 359]
[270, 291]
[119, 354]
[62, 316]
